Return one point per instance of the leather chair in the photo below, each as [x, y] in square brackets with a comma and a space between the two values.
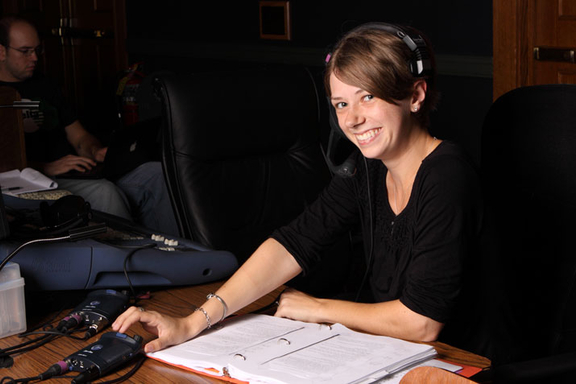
[242, 153]
[529, 176]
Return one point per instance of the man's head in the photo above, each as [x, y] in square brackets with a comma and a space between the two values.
[19, 44]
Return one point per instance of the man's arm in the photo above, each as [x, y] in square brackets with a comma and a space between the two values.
[84, 143]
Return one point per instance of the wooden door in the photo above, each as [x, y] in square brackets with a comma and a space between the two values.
[534, 43]
[84, 49]
[12, 150]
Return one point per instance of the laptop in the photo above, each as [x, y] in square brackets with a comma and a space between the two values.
[129, 147]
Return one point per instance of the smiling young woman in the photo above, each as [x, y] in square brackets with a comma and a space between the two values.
[417, 199]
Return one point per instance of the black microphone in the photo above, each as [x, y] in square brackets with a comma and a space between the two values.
[341, 155]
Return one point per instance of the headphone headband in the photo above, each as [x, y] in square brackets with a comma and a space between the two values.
[420, 64]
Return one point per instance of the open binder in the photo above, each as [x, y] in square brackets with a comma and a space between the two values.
[16, 182]
[267, 349]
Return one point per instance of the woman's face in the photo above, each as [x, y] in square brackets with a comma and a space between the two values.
[379, 129]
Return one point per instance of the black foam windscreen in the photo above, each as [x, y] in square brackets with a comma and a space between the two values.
[4, 229]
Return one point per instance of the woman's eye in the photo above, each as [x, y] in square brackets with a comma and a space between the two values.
[340, 105]
[368, 97]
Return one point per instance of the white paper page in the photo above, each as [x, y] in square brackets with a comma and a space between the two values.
[397, 377]
[38, 178]
[29, 180]
[236, 339]
[346, 358]
[391, 379]
[241, 334]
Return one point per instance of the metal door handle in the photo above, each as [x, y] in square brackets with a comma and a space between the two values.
[554, 54]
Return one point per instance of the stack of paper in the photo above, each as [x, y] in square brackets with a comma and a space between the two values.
[267, 349]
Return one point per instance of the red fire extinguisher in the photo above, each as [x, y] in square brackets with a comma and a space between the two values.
[127, 89]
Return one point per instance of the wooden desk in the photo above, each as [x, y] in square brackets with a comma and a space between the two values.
[175, 301]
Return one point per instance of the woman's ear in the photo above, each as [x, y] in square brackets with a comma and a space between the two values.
[418, 95]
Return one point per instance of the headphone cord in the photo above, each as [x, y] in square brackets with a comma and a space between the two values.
[371, 233]
[13, 253]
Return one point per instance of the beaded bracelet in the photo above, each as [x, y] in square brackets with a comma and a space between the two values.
[205, 315]
[225, 310]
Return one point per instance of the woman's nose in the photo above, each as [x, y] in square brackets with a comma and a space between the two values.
[353, 118]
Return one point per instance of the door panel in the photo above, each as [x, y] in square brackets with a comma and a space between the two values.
[534, 43]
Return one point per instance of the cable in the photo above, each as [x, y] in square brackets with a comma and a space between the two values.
[74, 234]
[48, 332]
[25, 347]
[129, 374]
[135, 248]
[126, 259]
[14, 252]
[370, 221]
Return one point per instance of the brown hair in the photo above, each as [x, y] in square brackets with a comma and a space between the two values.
[378, 61]
[6, 23]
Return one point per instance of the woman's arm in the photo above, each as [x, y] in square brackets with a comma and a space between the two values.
[390, 318]
[268, 268]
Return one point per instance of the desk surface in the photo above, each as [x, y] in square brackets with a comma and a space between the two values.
[174, 301]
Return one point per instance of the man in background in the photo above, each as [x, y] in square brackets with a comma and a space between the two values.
[57, 143]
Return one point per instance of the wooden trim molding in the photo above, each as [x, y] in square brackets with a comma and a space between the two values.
[448, 65]
[505, 46]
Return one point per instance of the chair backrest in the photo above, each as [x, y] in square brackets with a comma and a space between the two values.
[529, 175]
[12, 147]
[241, 151]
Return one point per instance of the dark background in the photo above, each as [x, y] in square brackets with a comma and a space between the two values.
[185, 36]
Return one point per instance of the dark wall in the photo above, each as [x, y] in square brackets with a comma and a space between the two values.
[188, 36]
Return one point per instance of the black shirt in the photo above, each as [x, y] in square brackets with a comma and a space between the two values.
[417, 256]
[44, 129]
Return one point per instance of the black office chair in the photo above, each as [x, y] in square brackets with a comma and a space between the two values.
[529, 176]
[242, 153]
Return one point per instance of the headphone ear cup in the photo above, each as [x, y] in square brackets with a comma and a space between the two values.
[341, 152]
[65, 210]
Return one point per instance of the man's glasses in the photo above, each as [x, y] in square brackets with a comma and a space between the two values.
[30, 51]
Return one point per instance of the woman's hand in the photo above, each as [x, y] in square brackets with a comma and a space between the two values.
[297, 305]
[170, 330]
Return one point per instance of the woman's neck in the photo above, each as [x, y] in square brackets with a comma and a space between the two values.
[402, 170]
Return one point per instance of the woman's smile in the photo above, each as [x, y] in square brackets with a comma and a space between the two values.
[367, 137]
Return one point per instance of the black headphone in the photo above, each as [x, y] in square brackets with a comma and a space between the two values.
[341, 153]
[67, 211]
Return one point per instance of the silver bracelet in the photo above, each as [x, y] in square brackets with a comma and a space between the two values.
[205, 315]
[225, 310]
